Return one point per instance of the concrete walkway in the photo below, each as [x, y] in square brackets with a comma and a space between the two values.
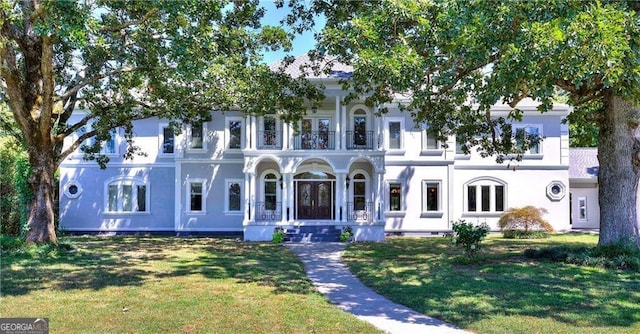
[332, 278]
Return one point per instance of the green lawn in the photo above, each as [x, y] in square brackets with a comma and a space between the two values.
[169, 285]
[506, 293]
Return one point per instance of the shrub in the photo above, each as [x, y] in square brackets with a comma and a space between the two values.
[520, 234]
[346, 234]
[10, 243]
[278, 235]
[615, 256]
[528, 218]
[469, 236]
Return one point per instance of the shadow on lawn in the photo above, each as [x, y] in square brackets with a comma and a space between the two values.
[424, 278]
[99, 262]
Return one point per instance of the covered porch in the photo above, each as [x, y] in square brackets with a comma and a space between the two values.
[294, 191]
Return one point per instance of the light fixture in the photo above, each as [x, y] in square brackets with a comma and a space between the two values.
[314, 109]
[348, 181]
[280, 182]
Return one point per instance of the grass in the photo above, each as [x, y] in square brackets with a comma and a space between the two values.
[168, 285]
[505, 292]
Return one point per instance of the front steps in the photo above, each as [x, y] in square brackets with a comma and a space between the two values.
[313, 233]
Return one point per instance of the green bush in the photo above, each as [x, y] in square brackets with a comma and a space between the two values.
[346, 234]
[528, 218]
[10, 242]
[278, 235]
[15, 193]
[469, 236]
[520, 234]
[614, 257]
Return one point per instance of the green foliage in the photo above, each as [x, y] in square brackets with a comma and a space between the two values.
[521, 234]
[278, 235]
[10, 243]
[525, 219]
[15, 193]
[621, 256]
[469, 236]
[346, 234]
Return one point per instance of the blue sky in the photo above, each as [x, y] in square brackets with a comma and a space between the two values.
[301, 44]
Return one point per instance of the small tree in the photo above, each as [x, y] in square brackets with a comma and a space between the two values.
[527, 219]
[469, 236]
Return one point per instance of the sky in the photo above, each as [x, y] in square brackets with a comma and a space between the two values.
[301, 44]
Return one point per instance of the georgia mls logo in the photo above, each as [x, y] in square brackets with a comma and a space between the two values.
[24, 325]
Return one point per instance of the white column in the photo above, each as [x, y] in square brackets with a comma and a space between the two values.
[252, 196]
[339, 125]
[339, 196]
[344, 126]
[247, 131]
[247, 202]
[284, 195]
[377, 128]
[379, 203]
[289, 178]
[254, 131]
[285, 136]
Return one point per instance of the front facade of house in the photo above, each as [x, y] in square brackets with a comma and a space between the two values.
[347, 166]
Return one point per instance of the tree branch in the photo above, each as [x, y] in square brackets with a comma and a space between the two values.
[145, 18]
[94, 79]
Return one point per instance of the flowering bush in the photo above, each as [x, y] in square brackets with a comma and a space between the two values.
[469, 236]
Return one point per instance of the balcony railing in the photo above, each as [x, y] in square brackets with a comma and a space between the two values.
[360, 212]
[360, 140]
[268, 211]
[269, 140]
[316, 140]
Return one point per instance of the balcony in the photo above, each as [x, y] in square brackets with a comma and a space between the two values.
[315, 140]
[360, 140]
[360, 212]
[269, 140]
[268, 211]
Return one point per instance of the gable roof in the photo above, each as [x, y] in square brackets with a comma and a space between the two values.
[583, 163]
[303, 63]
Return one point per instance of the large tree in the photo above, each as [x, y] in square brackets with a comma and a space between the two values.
[122, 61]
[456, 58]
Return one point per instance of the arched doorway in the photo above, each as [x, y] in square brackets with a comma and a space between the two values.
[314, 194]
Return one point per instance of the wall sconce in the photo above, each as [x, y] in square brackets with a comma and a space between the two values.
[314, 109]
[280, 182]
[348, 181]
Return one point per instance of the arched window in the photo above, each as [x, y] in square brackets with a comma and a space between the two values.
[485, 195]
[360, 139]
[359, 191]
[270, 191]
[126, 194]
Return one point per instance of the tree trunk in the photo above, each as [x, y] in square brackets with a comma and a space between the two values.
[41, 217]
[618, 172]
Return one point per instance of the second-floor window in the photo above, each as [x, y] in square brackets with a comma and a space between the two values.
[234, 133]
[395, 138]
[196, 138]
[167, 140]
[530, 134]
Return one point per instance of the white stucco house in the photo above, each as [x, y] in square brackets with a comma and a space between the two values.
[348, 166]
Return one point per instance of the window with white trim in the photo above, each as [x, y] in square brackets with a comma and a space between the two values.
[528, 133]
[431, 196]
[359, 191]
[196, 195]
[197, 135]
[395, 197]
[429, 140]
[234, 195]
[167, 139]
[394, 128]
[485, 196]
[110, 146]
[234, 133]
[582, 208]
[270, 191]
[126, 195]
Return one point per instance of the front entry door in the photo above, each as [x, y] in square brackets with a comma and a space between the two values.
[315, 199]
